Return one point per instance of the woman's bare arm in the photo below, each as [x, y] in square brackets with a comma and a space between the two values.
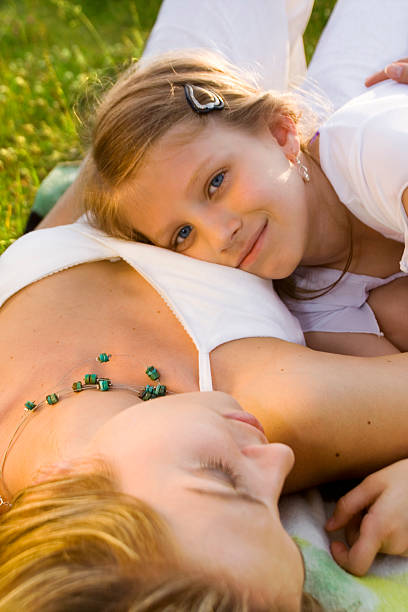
[343, 416]
[350, 343]
[69, 206]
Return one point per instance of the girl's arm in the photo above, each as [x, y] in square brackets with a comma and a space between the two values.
[343, 416]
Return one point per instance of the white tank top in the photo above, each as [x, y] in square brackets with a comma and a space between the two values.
[215, 304]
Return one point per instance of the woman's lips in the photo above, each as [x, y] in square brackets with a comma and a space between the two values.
[247, 418]
[254, 248]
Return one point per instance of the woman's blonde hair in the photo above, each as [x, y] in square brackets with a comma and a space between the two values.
[147, 101]
[76, 544]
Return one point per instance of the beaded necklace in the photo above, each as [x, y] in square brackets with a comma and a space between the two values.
[90, 381]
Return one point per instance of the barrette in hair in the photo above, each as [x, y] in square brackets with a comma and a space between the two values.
[216, 102]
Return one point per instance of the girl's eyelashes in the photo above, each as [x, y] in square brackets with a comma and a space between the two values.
[179, 242]
[182, 235]
[216, 465]
[215, 183]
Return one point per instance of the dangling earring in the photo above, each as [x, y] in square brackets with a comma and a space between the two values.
[303, 171]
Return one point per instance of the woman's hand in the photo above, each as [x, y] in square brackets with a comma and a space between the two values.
[375, 517]
[398, 71]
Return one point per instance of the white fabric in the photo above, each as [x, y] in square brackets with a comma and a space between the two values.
[344, 308]
[363, 152]
[264, 36]
[361, 37]
[215, 304]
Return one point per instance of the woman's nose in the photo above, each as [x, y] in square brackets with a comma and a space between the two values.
[273, 462]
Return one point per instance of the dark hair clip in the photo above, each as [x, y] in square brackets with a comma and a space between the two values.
[216, 102]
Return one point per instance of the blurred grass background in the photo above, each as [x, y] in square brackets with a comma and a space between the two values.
[51, 51]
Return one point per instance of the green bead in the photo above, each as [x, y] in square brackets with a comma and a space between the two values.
[104, 357]
[52, 398]
[91, 379]
[152, 373]
[147, 393]
[104, 384]
[77, 386]
[160, 390]
[30, 405]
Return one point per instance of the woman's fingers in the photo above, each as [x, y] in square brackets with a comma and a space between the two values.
[398, 71]
[362, 531]
[384, 526]
[354, 502]
[352, 529]
[358, 558]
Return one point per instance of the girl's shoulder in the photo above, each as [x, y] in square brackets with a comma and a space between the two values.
[363, 154]
[384, 97]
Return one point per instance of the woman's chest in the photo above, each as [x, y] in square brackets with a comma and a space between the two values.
[64, 322]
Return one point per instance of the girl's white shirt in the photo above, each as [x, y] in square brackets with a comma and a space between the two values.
[363, 152]
[215, 304]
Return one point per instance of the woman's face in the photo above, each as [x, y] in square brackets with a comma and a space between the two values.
[203, 463]
[225, 195]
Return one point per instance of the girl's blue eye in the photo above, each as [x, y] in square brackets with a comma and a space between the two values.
[183, 234]
[216, 182]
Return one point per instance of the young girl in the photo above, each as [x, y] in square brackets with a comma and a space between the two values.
[158, 329]
[188, 156]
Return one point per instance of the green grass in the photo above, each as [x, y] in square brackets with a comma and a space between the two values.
[320, 14]
[52, 54]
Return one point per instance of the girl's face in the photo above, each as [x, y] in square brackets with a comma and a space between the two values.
[202, 462]
[225, 195]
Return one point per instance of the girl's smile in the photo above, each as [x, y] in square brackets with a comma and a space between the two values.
[224, 195]
[252, 250]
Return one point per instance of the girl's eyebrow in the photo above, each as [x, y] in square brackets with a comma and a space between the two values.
[162, 238]
[203, 167]
[231, 495]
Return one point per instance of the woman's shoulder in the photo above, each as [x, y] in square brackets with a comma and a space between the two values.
[45, 252]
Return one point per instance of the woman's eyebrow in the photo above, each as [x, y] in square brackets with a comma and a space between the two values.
[233, 495]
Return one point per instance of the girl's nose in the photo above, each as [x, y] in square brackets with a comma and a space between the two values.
[222, 228]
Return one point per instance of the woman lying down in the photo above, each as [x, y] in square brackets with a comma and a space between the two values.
[210, 534]
[207, 535]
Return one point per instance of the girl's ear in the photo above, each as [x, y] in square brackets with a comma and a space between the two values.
[285, 132]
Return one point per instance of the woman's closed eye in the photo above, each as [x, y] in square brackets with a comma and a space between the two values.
[223, 471]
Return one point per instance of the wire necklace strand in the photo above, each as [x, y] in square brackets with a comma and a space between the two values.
[90, 382]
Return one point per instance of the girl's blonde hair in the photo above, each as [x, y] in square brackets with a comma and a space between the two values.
[147, 101]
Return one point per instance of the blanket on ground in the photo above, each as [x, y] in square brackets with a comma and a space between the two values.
[383, 589]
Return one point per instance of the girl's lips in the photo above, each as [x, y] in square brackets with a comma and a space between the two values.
[247, 418]
[254, 250]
